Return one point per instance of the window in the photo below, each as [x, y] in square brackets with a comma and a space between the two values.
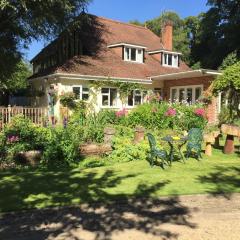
[133, 54]
[109, 97]
[187, 94]
[136, 97]
[170, 59]
[81, 92]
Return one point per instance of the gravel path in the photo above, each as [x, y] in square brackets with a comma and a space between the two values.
[198, 217]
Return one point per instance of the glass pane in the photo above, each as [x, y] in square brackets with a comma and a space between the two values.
[85, 89]
[76, 91]
[145, 93]
[105, 100]
[127, 53]
[137, 92]
[174, 95]
[137, 99]
[189, 95]
[85, 96]
[130, 99]
[170, 59]
[181, 95]
[105, 90]
[175, 61]
[198, 93]
[133, 54]
[165, 58]
[113, 97]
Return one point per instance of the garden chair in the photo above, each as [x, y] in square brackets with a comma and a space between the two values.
[194, 144]
[156, 153]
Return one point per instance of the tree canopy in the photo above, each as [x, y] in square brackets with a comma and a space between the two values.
[21, 21]
[205, 40]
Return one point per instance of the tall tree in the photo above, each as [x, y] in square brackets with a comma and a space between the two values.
[21, 21]
[218, 33]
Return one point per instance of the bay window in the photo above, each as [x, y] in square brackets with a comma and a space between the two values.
[187, 94]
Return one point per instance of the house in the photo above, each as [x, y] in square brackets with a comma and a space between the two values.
[104, 50]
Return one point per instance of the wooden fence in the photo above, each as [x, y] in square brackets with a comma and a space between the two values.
[36, 115]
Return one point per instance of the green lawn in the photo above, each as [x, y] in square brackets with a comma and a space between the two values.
[24, 189]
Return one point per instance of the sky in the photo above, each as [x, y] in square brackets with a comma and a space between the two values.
[126, 10]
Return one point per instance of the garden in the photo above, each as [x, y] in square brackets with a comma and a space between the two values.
[146, 152]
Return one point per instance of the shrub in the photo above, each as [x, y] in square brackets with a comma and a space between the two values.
[68, 100]
[21, 135]
[163, 116]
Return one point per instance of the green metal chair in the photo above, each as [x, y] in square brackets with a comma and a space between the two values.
[194, 144]
[156, 153]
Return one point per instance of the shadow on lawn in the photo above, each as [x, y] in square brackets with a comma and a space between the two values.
[98, 216]
[224, 181]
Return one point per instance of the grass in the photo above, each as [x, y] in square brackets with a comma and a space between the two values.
[41, 188]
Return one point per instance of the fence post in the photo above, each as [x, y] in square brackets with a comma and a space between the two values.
[9, 113]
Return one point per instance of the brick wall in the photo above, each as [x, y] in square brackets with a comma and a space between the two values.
[205, 81]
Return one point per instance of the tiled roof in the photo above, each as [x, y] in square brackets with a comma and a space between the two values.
[107, 61]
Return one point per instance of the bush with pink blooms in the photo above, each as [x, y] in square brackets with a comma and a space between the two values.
[164, 116]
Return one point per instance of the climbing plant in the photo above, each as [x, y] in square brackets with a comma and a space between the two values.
[229, 84]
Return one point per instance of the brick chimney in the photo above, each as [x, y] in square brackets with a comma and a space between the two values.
[167, 35]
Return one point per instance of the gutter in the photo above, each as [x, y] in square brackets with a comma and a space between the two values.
[56, 76]
[202, 71]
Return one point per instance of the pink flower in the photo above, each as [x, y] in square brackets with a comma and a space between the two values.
[121, 113]
[200, 112]
[171, 112]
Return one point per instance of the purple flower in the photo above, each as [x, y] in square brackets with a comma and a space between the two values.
[12, 139]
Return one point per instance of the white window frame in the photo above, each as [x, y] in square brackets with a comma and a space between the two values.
[139, 57]
[81, 92]
[193, 87]
[134, 94]
[174, 62]
[108, 94]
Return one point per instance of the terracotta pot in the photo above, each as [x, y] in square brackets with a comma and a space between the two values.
[32, 158]
[94, 149]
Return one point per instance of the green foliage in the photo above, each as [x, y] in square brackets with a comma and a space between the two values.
[229, 83]
[125, 151]
[21, 135]
[68, 100]
[231, 59]
[22, 21]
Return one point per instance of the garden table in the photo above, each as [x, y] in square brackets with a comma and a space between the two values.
[176, 144]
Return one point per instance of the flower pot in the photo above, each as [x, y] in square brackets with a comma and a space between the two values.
[31, 158]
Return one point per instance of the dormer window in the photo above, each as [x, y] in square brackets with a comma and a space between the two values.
[170, 60]
[133, 54]
[130, 52]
